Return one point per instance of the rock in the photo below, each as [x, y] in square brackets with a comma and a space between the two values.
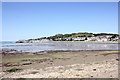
[94, 69]
[91, 76]
[26, 63]
[6, 50]
[117, 59]
[7, 65]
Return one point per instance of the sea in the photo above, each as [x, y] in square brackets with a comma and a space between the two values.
[44, 46]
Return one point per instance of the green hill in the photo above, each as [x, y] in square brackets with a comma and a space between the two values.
[73, 35]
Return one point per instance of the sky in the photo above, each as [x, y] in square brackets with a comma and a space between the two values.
[26, 20]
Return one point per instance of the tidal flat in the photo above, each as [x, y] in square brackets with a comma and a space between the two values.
[61, 64]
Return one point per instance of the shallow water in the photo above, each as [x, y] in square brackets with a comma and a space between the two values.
[35, 47]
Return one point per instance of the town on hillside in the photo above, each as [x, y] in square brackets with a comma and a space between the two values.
[75, 37]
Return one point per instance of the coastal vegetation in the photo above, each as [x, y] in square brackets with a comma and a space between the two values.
[74, 35]
[60, 64]
[13, 70]
[81, 36]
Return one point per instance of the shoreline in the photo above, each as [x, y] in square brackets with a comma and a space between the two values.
[49, 51]
[114, 42]
[70, 41]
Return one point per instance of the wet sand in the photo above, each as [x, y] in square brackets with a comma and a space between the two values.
[61, 64]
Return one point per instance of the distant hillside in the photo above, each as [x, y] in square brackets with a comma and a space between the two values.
[74, 35]
[81, 36]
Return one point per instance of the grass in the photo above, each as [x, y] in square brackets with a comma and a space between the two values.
[34, 72]
[35, 58]
[96, 63]
[60, 72]
[6, 60]
[14, 60]
[13, 70]
[61, 56]
[79, 69]
[99, 67]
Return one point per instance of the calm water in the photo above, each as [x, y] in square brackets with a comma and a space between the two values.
[35, 47]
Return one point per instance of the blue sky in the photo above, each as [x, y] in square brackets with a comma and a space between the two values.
[24, 20]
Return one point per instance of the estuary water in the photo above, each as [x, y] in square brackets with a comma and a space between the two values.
[36, 47]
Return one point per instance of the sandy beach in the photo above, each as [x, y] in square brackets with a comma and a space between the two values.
[61, 64]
